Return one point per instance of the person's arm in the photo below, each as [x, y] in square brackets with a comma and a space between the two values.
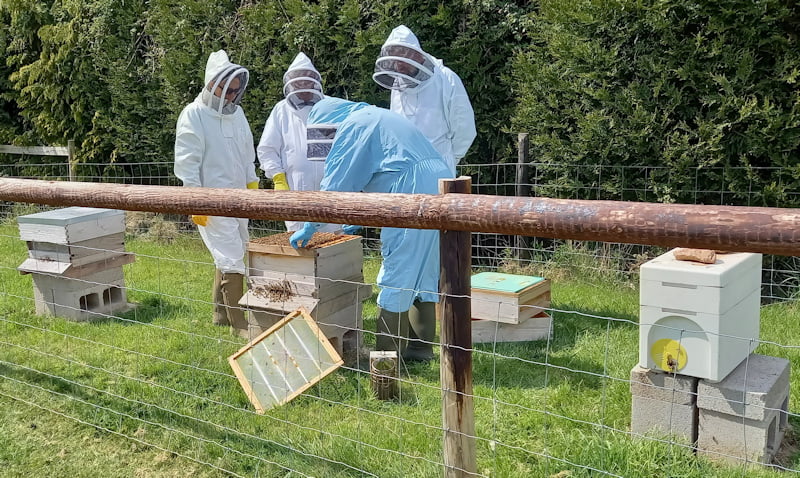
[189, 150]
[249, 158]
[270, 147]
[461, 118]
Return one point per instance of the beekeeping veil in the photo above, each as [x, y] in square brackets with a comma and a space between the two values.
[220, 74]
[402, 64]
[302, 83]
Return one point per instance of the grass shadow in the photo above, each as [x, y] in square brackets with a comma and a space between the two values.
[144, 312]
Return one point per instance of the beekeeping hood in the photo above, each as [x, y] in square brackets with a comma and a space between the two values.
[220, 73]
[302, 83]
[402, 64]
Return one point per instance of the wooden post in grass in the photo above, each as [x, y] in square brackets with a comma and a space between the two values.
[71, 159]
[458, 422]
[521, 243]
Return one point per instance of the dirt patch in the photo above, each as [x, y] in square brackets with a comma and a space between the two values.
[319, 239]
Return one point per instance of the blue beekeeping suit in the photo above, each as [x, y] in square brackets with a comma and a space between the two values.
[376, 150]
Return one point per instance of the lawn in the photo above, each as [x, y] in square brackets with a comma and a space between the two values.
[150, 393]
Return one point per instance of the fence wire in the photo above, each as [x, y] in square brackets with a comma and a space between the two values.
[557, 405]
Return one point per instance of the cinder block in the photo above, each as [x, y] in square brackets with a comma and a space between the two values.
[736, 439]
[650, 416]
[663, 386]
[81, 299]
[750, 390]
[664, 404]
[744, 416]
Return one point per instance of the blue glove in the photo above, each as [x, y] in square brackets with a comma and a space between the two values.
[302, 237]
[351, 230]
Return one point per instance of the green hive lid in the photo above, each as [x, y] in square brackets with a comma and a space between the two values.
[503, 282]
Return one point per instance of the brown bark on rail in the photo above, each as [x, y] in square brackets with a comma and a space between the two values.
[730, 228]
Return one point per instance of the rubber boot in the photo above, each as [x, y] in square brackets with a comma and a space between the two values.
[392, 331]
[421, 331]
[232, 286]
[220, 315]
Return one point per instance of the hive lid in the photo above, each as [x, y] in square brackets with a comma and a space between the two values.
[68, 215]
[728, 268]
[500, 282]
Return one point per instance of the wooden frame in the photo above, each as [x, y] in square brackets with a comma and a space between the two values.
[255, 378]
[67, 151]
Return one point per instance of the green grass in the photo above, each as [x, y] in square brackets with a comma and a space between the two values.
[151, 393]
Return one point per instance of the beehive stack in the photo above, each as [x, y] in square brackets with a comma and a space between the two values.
[75, 256]
[510, 308]
[697, 376]
[325, 278]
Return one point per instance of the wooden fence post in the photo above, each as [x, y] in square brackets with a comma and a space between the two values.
[523, 189]
[458, 422]
[70, 159]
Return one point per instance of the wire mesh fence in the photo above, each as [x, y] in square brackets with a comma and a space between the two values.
[497, 251]
[562, 404]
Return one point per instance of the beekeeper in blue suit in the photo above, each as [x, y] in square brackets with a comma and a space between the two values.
[375, 150]
[214, 149]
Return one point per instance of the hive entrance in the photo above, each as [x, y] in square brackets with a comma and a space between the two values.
[279, 291]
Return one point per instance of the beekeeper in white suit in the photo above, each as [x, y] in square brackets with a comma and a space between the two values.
[282, 150]
[214, 149]
[427, 93]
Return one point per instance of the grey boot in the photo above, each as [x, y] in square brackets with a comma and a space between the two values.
[392, 331]
[232, 286]
[421, 331]
[220, 315]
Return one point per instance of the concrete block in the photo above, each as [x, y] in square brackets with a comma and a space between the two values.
[651, 416]
[744, 417]
[86, 299]
[758, 384]
[735, 439]
[663, 386]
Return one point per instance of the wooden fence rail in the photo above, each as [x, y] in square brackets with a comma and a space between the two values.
[730, 228]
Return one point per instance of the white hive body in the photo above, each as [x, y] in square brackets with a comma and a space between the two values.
[75, 256]
[327, 281]
[700, 320]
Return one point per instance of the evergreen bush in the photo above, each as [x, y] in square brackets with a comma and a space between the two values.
[704, 92]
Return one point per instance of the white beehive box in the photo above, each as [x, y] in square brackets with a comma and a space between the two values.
[75, 256]
[70, 225]
[699, 320]
[326, 281]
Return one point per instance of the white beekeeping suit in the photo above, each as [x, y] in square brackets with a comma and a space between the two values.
[214, 149]
[427, 93]
[282, 148]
